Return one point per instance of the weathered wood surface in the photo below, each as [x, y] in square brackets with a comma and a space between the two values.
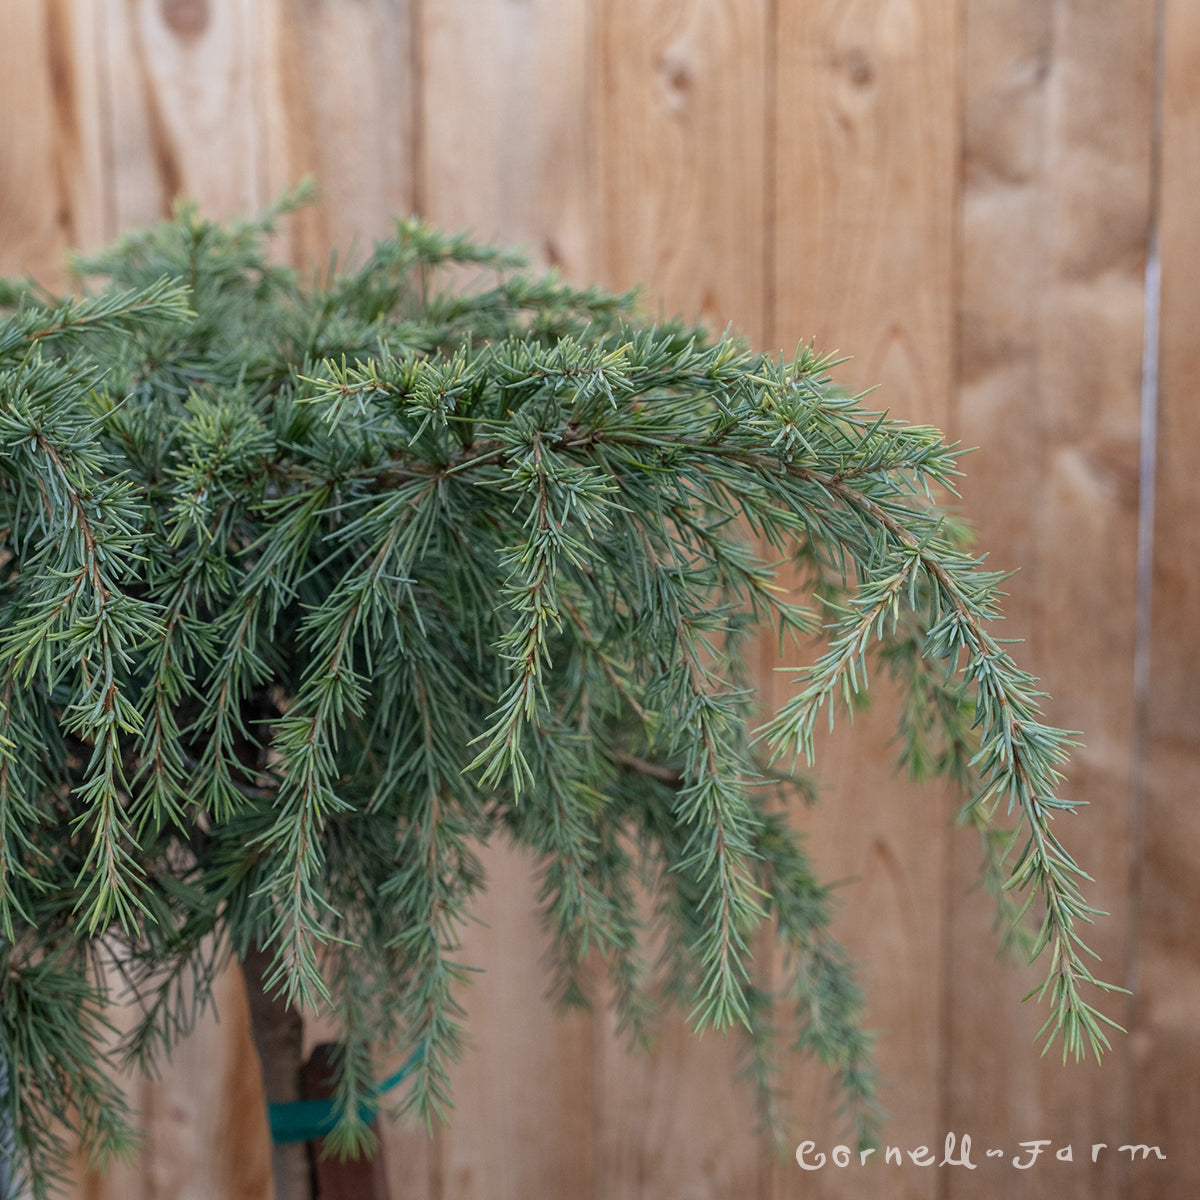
[959, 195]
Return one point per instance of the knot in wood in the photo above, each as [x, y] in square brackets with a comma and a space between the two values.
[677, 77]
[186, 18]
[859, 69]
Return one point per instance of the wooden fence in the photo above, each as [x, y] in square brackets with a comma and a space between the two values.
[963, 194]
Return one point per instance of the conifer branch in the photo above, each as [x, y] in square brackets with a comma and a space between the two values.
[307, 592]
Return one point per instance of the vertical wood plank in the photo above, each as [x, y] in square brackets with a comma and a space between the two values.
[502, 140]
[340, 92]
[1056, 209]
[51, 184]
[1166, 1042]
[679, 117]
[231, 103]
[502, 151]
[866, 164]
[679, 112]
[866, 150]
[183, 88]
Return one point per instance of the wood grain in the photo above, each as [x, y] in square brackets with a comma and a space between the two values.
[1165, 1091]
[1056, 208]
[865, 191]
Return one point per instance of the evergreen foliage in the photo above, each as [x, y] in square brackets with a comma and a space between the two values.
[309, 590]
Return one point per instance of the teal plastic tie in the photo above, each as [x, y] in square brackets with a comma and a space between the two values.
[306, 1120]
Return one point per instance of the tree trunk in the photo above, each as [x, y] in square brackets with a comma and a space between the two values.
[278, 1035]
